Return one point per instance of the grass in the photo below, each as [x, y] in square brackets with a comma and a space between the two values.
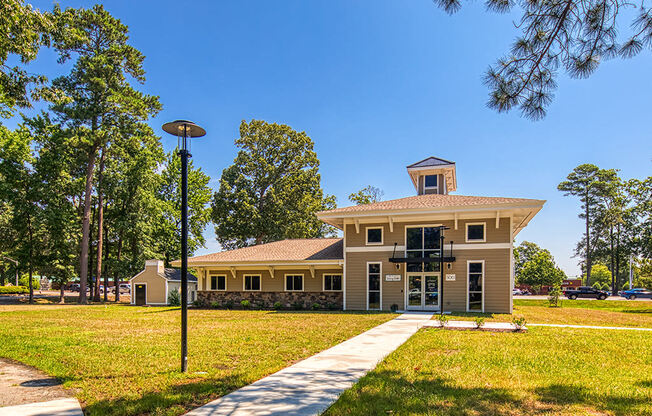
[575, 312]
[547, 371]
[123, 360]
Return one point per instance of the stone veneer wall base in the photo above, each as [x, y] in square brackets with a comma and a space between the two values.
[266, 300]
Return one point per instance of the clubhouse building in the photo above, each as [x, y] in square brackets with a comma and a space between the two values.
[429, 251]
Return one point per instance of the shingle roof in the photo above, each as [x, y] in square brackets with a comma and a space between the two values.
[431, 161]
[431, 201]
[175, 275]
[284, 250]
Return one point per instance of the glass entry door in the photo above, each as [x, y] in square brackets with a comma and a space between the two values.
[423, 291]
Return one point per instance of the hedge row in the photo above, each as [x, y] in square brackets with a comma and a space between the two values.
[5, 290]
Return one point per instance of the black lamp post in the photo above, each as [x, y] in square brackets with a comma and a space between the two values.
[441, 266]
[184, 129]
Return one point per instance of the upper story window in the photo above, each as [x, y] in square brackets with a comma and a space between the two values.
[430, 181]
[475, 232]
[422, 242]
[374, 235]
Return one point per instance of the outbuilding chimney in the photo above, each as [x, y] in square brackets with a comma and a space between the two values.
[157, 265]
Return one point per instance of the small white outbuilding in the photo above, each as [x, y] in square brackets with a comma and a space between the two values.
[153, 285]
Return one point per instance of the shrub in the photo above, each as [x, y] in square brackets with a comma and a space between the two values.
[519, 322]
[553, 296]
[479, 322]
[443, 320]
[174, 298]
[333, 306]
[393, 308]
[605, 286]
[6, 290]
[315, 306]
[297, 306]
[228, 304]
[260, 305]
[597, 285]
[626, 286]
[278, 305]
[215, 305]
[245, 304]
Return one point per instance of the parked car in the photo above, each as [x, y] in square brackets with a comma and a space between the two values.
[636, 293]
[586, 292]
[517, 292]
[74, 287]
[125, 288]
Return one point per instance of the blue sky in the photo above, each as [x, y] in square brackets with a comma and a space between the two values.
[379, 85]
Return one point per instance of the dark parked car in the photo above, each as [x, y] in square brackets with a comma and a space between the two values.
[636, 293]
[74, 287]
[586, 292]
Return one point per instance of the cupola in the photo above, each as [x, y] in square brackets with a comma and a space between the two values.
[433, 176]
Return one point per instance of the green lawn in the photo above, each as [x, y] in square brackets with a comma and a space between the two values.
[124, 360]
[576, 312]
[547, 371]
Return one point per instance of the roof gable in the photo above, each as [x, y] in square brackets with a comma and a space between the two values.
[430, 161]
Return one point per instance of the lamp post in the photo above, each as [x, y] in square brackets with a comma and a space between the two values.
[441, 266]
[184, 129]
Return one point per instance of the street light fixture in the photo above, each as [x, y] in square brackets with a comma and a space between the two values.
[184, 129]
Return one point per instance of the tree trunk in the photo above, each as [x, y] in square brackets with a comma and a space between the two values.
[90, 255]
[106, 261]
[100, 224]
[61, 294]
[588, 241]
[116, 277]
[86, 226]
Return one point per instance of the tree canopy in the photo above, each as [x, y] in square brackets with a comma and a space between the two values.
[366, 195]
[569, 35]
[539, 268]
[272, 190]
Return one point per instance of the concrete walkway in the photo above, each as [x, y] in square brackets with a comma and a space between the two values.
[310, 386]
[59, 407]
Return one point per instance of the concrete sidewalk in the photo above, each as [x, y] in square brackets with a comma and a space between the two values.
[59, 407]
[310, 386]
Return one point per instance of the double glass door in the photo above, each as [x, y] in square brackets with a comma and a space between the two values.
[423, 291]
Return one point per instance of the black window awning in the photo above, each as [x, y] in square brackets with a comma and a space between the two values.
[410, 260]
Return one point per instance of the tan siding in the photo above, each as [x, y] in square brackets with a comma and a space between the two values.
[276, 284]
[356, 281]
[493, 234]
[155, 285]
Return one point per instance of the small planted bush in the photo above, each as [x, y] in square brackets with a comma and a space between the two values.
[553, 296]
[228, 304]
[174, 298]
[393, 308]
[519, 322]
[245, 304]
[260, 305]
[278, 306]
[332, 306]
[479, 322]
[315, 306]
[297, 306]
[443, 320]
[215, 305]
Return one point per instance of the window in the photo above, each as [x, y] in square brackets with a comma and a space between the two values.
[294, 282]
[332, 282]
[422, 242]
[475, 232]
[218, 282]
[430, 181]
[374, 235]
[252, 282]
[475, 286]
[373, 285]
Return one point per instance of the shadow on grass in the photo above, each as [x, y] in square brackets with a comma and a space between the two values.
[176, 399]
[387, 392]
